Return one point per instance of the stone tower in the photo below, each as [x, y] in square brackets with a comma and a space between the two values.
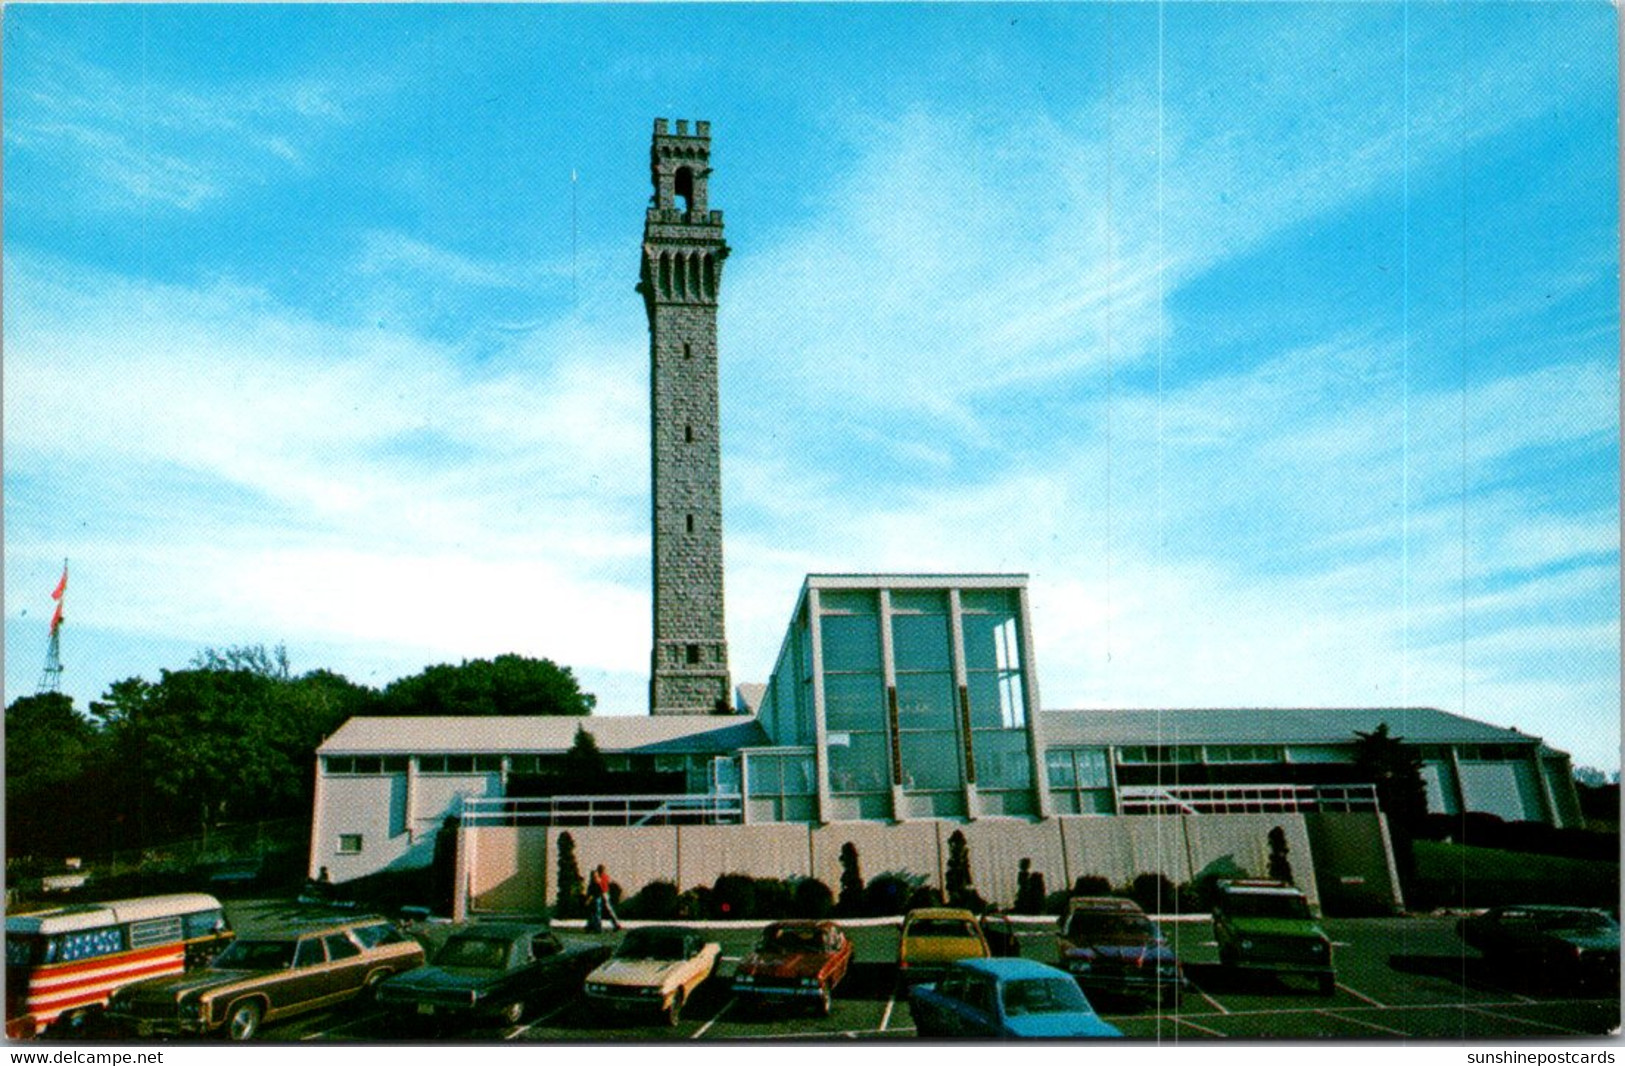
[683, 252]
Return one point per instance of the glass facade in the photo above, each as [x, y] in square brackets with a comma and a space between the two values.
[923, 696]
[854, 694]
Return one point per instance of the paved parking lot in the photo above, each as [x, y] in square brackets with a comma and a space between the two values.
[1401, 978]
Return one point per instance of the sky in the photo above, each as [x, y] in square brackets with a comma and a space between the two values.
[1277, 343]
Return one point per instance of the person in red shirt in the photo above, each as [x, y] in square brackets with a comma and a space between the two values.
[598, 888]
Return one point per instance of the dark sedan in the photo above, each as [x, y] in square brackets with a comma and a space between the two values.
[1558, 946]
[491, 971]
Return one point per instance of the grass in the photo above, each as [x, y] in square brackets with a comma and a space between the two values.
[1463, 876]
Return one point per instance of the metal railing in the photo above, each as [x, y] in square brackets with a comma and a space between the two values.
[1244, 799]
[706, 809]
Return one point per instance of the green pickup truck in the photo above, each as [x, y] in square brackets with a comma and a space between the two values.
[1268, 926]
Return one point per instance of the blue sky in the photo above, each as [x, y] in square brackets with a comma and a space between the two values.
[1277, 343]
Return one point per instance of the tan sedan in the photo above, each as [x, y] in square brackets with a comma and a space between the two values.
[655, 969]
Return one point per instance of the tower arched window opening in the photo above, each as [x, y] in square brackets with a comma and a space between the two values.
[684, 187]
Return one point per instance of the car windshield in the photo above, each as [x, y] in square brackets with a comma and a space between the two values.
[1043, 995]
[792, 939]
[1266, 905]
[1099, 925]
[649, 944]
[948, 927]
[1585, 922]
[473, 953]
[255, 955]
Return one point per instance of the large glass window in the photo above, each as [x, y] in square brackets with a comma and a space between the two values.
[854, 692]
[1079, 780]
[857, 762]
[927, 707]
[853, 701]
[851, 643]
[998, 699]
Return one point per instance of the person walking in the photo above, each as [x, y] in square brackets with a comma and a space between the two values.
[602, 905]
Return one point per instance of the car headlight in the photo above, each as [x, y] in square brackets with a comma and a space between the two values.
[647, 991]
[809, 982]
[595, 987]
[1246, 945]
[192, 1010]
[1319, 947]
[744, 979]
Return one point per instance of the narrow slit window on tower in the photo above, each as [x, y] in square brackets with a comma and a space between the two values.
[693, 655]
[688, 434]
[681, 270]
[690, 522]
[665, 275]
[688, 353]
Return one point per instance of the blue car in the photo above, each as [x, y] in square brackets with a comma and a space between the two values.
[1001, 999]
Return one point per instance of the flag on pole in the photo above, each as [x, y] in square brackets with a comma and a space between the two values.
[56, 620]
[61, 586]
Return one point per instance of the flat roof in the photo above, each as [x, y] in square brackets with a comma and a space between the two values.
[1267, 725]
[542, 734]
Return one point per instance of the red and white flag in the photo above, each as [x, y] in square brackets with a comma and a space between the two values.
[61, 586]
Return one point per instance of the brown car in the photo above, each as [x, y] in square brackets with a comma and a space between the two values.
[795, 961]
[267, 977]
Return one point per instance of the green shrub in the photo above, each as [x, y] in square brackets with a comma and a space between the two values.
[812, 899]
[775, 898]
[1091, 885]
[1154, 893]
[694, 903]
[655, 901]
[890, 892]
[733, 896]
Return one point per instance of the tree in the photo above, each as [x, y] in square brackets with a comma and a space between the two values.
[231, 738]
[507, 685]
[572, 890]
[583, 765]
[852, 898]
[55, 778]
[1280, 867]
[1396, 771]
[957, 879]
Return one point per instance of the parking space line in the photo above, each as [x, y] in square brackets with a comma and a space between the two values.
[549, 1016]
[885, 1019]
[1220, 1007]
[1357, 994]
[1526, 1021]
[701, 1030]
[1182, 1020]
[1362, 1021]
[321, 1033]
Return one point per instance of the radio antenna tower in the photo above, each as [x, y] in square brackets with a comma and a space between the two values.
[50, 679]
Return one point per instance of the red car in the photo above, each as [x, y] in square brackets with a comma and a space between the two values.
[795, 961]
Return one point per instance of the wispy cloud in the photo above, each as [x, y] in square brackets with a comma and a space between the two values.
[155, 143]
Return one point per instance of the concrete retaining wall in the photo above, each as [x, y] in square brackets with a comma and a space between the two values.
[512, 868]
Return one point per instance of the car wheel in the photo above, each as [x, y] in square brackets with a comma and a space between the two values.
[1328, 984]
[674, 1013]
[244, 1020]
[513, 1012]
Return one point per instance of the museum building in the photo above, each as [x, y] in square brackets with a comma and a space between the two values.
[899, 704]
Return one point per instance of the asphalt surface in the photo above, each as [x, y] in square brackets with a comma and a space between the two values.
[1399, 979]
